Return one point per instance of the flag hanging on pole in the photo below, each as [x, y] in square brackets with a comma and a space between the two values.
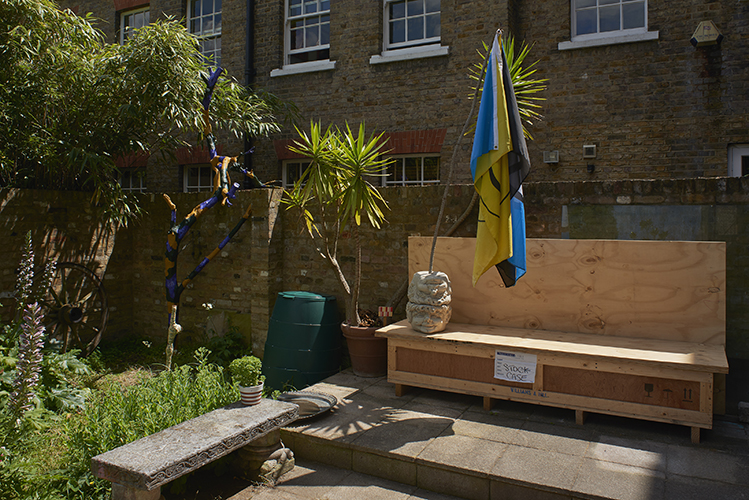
[499, 164]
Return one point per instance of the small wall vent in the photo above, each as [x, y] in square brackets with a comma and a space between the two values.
[551, 156]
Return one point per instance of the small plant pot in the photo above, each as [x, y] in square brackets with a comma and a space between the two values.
[251, 395]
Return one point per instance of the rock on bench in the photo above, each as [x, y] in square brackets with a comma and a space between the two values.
[139, 469]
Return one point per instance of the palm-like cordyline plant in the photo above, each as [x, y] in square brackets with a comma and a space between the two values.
[526, 87]
[337, 189]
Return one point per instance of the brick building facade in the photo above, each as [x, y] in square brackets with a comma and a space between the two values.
[651, 104]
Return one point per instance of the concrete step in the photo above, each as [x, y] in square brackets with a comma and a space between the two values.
[313, 480]
[447, 443]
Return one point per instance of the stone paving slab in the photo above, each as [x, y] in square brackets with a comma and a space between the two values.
[520, 450]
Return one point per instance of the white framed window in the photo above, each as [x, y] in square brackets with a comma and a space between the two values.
[307, 31]
[413, 170]
[411, 30]
[410, 23]
[197, 178]
[607, 22]
[204, 20]
[131, 20]
[292, 171]
[133, 180]
[738, 160]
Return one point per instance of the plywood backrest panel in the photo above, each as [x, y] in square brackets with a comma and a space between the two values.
[670, 290]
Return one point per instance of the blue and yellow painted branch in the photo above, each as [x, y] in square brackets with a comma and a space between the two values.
[223, 191]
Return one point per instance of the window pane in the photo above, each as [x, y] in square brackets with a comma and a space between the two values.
[433, 5]
[413, 170]
[399, 171]
[415, 7]
[397, 31]
[140, 20]
[206, 177]
[416, 28]
[581, 4]
[397, 10]
[195, 25]
[633, 15]
[217, 55]
[312, 55]
[312, 36]
[295, 7]
[310, 7]
[433, 25]
[431, 168]
[217, 6]
[297, 39]
[325, 33]
[207, 7]
[325, 6]
[196, 8]
[292, 173]
[192, 177]
[208, 24]
[217, 21]
[607, 2]
[586, 22]
[609, 18]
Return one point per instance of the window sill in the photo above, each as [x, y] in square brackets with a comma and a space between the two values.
[409, 53]
[608, 40]
[306, 67]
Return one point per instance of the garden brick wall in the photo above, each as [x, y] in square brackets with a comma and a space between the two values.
[271, 253]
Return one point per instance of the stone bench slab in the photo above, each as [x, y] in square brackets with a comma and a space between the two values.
[160, 458]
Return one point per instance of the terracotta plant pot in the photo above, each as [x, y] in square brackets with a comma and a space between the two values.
[369, 357]
[251, 395]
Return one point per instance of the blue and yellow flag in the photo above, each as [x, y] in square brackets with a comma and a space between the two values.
[499, 164]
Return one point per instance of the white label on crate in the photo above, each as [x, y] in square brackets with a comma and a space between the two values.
[515, 366]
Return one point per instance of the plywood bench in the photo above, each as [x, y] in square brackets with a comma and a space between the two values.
[629, 328]
[137, 470]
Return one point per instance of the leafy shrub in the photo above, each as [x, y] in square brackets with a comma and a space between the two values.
[246, 371]
[115, 416]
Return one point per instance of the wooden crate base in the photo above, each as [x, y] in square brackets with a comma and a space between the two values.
[674, 396]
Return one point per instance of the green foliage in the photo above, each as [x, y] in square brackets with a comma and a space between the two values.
[61, 386]
[335, 192]
[526, 87]
[224, 348]
[73, 104]
[247, 371]
[115, 416]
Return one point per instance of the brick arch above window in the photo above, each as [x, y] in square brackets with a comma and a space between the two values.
[191, 155]
[283, 152]
[399, 143]
[129, 4]
[415, 141]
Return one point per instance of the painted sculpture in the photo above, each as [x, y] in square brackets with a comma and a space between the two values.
[223, 191]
